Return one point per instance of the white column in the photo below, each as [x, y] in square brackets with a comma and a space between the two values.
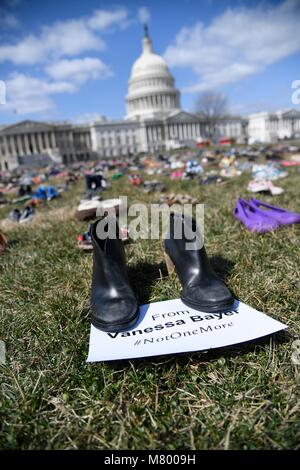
[33, 139]
[26, 142]
[47, 140]
[53, 142]
[19, 142]
[40, 142]
[143, 138]
[12, 145]
[180, 131]
[167, 132]
[6, 152]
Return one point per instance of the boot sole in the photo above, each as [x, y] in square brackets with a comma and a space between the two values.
[117, 327]
[207, 309]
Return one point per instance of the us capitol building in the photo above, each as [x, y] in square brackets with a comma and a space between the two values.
[154, 123]
[154, 120]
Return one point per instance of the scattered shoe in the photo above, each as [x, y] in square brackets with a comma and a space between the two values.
[211, 179]
[27, 214]
[203, 290]
[22, 216]
[84, 241]
[283, 216]
[177, 175]
[45, 193]
[262, 185]
[113, 303]
[230, 172]
[135, 180]
[153, 186]
[254, 220]
[268, 172]
[173, 198]
[15, 215]
[89, 209]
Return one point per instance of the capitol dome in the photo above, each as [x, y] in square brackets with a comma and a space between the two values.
[151, 89]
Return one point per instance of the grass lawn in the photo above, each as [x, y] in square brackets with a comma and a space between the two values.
[244, 397]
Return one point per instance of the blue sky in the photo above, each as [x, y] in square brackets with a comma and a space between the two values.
[71, 60]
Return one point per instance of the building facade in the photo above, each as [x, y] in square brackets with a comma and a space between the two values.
[273, 127]
[27, 140]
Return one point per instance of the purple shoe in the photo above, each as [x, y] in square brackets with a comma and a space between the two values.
[254, 219]
[283, 216]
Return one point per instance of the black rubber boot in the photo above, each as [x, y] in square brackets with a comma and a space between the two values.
[113, 303]
[202, 289]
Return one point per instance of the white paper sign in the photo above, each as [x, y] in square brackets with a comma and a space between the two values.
[171, 327]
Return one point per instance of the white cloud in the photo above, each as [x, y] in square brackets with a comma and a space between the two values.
[238, 43]
[102, 20]
[29, 51]
[52, 48]
[79, 70]
[144, 15]
[64, 38]
[69, 38]
[26, 94]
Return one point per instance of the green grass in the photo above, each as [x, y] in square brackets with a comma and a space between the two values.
[244, 397]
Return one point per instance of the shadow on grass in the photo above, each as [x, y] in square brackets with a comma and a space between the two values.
[143, 276]
[222, 266]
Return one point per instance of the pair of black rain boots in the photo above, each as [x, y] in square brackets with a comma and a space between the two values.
[114, 304]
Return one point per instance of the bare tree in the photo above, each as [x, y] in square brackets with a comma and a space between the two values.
[212, 106]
